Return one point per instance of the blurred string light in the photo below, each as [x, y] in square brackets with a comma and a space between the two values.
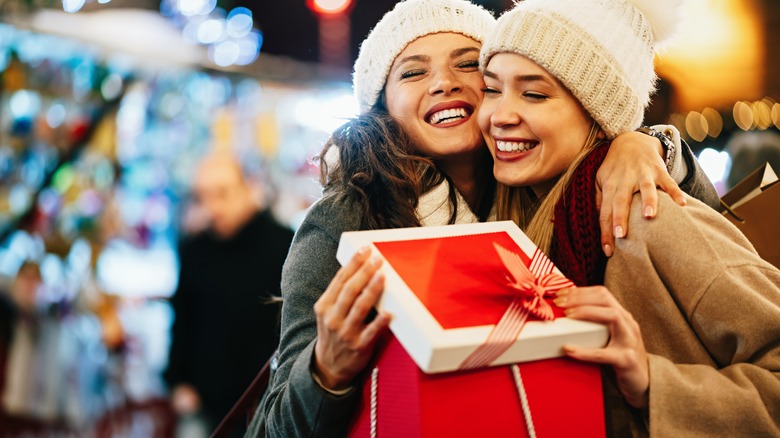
[746, 116]
[230, 37]
[24, 104]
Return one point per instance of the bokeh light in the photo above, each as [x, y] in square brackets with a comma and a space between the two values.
[743, 115]
[714, 164]
[696, 125]
[714, 122]
[762, 115]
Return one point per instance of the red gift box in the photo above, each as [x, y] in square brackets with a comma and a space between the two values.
[473, 295]
[563, 399]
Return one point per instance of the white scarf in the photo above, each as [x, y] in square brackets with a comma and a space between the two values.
[434, 208]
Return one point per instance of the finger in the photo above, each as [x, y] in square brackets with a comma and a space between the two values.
[604, 356]
[649, 195]
[365, 302]
[585, 296]
[355, 285]
[598, 196]
[668, 185]
[622, 326]
[621, 204]
[605, 225]
[606, 315]
[343, 274]
[374, 329]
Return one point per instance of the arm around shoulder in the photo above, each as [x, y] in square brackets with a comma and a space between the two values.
[685, 169]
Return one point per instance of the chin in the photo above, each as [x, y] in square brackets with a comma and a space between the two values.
[510, 177]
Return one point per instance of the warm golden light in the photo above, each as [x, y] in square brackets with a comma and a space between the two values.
[696, 125]
[714, 122]
[718, 57]
[776, 114]
[762, 115]
[743, 115]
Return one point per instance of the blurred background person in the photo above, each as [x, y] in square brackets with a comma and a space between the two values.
[28, 392]
[226, 304]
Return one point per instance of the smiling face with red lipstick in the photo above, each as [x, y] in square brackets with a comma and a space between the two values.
[433, 91]
[534, 126]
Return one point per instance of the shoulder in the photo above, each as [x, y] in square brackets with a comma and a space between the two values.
[333, 214]
[675, 223]
[689, 241]
[317, 238]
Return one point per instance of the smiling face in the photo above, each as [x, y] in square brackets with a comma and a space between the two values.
[534, 126]
[433, 91]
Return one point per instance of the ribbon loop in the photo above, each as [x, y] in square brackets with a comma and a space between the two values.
[532, 284]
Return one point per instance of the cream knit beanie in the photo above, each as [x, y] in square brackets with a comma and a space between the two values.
[601, 50]
[409, 20]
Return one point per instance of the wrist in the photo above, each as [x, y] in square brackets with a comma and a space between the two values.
[668, 148]
[326, 381]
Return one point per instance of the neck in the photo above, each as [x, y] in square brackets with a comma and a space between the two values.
[468, 175]
[238, 224]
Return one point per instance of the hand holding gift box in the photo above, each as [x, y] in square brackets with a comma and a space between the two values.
[464, 299]
[449, 287]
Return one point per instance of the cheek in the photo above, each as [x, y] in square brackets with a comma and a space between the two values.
[400, 102]
[484, 113]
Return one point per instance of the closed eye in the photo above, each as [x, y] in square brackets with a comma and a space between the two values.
[535, 96]
[472, 63]
[412, 73]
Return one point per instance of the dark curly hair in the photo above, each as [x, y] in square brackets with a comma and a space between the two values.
[381, 170]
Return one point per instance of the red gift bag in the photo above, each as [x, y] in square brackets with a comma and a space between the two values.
[564, 399]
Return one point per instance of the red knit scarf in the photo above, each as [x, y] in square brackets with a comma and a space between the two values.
[576, 244]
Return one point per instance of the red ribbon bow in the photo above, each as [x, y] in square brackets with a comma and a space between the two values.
[533, 283]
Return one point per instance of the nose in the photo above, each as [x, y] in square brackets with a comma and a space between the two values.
[445, 82]
[504, 113]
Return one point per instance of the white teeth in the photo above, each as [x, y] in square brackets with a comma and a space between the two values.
[513, 146]
[447, 115]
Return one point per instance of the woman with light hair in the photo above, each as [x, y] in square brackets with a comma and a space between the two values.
[693, 312]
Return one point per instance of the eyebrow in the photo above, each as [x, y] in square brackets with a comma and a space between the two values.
[519, 78]
[424, 58]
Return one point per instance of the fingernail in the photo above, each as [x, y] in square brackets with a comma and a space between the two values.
[569, 312]
[562, 296]
[375, 261]
[681, 200]
[363, 250]
[649, 212]
[618, 231]
[608, 250]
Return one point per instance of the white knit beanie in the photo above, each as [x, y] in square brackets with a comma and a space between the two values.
[409, 20]
[601, 50]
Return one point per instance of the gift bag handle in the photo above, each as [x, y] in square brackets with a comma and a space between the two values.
[732, 212]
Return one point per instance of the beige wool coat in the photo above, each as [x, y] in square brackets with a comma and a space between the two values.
[709, 311]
